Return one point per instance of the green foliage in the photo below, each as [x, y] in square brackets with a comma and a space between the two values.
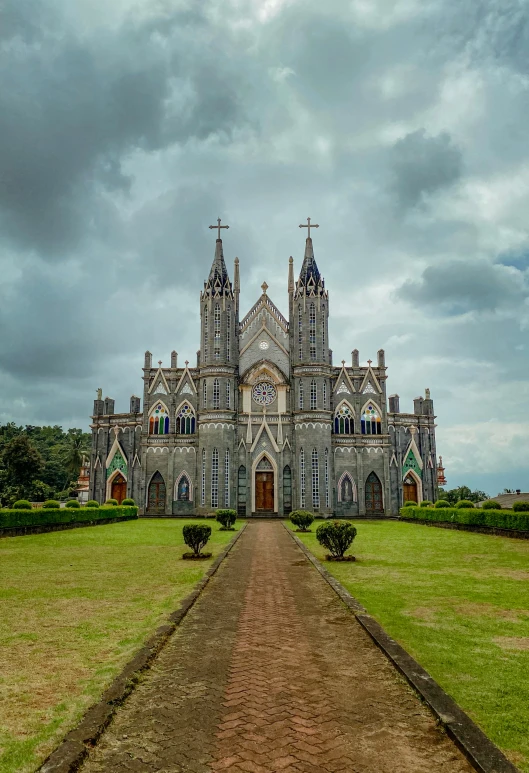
[128, 501]
[464, 503]
[490, 504]
[226, 518]
[93, 503]
[410, 503]
[426, 503]
[15, 518]
[50, 504]
[22, 504]
[463, 492]
[73, 503]
[442, 503]
[521, 507]
[476, 516]
[196, 536]
[302, 519]
[111, 502]
[336, 536]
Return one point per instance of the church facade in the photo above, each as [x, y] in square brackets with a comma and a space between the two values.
[265, 422]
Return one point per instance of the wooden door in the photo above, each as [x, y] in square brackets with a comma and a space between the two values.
[119, 488]
[264, 491]
[410, 490]
[156, 498]
[374, 502]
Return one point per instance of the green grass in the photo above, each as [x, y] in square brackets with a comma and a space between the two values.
[459, 603]
[74, 607]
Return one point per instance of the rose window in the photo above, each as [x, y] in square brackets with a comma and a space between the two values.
[264, 393]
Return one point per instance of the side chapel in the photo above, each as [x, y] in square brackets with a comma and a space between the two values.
[265, 422]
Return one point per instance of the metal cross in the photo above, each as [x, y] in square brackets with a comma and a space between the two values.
[264, 288]
[369, 362]
[218, 227]
[309, 226]
[160, 363]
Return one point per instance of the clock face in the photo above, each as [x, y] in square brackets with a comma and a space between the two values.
[264, 393]
[263, 344]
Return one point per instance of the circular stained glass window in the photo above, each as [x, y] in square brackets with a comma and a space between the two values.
[264, 344]
[264, 393]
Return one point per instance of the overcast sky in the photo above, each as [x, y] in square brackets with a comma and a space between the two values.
[401, 127]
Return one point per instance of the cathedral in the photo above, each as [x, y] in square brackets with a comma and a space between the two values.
[264, 422]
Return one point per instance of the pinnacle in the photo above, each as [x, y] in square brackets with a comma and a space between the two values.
[218, 267]
[309, 268]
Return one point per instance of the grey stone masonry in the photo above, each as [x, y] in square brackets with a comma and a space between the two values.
[264, 422]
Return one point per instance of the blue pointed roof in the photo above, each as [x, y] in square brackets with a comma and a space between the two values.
[309, 268]
[218, 267]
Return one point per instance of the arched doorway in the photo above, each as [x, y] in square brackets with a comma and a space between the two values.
[156, 495]
[373, 490]
[410, 489]
[119, 488]
[264, 486]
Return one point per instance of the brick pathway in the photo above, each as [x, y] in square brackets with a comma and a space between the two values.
[267, 673]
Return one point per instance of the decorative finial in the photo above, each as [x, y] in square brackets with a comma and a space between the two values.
[343, 363]
[427, 393]
[369, 362]
[99, 394]
[187, 363]
[218, 227]
[309, 226]
[264, 288]
[291, 259]
[236, 259]
[160, 363]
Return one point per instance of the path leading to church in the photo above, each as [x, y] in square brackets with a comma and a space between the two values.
[269, 672]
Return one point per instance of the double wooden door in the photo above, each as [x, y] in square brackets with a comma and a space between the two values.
[410, 490]
[119, 488]
[373, 490]
[264, 491]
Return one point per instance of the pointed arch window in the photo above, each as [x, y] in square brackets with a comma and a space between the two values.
[183, 489]
[228, 334]
[227, 478]
[315, 480]
[216, 332]
[302, 478]
[326, 477]
[300, 393]
[215, 478]
[312, 323]
[371, 424]
[216, 393]
[228, 395]
[185, 420]
[344, 420]
[203, 480]
[206, 332]
[313, 395]
[159, 420]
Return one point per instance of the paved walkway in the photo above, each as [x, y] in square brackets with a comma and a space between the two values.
[269, 672]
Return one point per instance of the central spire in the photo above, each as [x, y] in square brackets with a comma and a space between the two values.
[218, 280]
[309, 269]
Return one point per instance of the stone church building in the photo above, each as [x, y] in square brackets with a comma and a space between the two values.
[265, 422]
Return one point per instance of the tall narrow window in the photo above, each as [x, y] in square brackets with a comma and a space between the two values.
[324, 394]
[205, 395]
[215, 478]
[227, 479]
[206, 331]
[228, 333]
[300, 393]
[312, 352]
[216, 328]
[185, 420]
[159, 420]
[315, 480]
[228, 395]
[312, 324]
[323, 330]
[313, 395]
[300, 332]
[370, 422]
[203, 481]
[326, 477]
[344, 421]
[216, 393]
[302, 477]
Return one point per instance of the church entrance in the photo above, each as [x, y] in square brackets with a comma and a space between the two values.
[156, 496]
[119, 488]
[264, 486]
[410, 490]
[374, 503]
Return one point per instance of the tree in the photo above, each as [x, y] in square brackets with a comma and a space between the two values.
[22, 465]
[463, 492]
[74, 453]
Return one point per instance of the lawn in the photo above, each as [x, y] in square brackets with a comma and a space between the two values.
[74, 607]
[459, 603]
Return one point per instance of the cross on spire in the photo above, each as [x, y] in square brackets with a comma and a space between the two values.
[264, 288]
[309, 226]
[369, 362]
[160, 363]
[218, 227]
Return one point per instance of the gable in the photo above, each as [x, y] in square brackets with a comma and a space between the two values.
[411, 463]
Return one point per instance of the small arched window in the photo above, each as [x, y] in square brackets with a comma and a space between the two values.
[185, 420]
[313, 395]
[371, 424]
[216, 393]
[344, 420]
[159, 421]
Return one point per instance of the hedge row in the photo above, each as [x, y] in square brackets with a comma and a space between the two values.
[502, 519]
[10, 519]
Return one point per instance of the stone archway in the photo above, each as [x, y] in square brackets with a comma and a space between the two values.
[156, 495]
[373, 495]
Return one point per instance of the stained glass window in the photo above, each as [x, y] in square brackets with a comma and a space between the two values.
[159, 421]
[302, 477]
[371, 424]
[264, 393]
[344, 420]
[216, 393]
[315, 480]
[185, 420]
[313, 395]
[215, 478]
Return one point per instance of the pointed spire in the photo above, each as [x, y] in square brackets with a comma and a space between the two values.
[291, 274]
[236, 278]
[218, 267]
[309, 268]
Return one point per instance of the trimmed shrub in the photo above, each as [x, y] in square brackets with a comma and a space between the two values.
[302, 519]
[226, 518]
[410, 503]
[73, 503]
[490, 504]
[425, 503]
[10, 518]
[22, 504]
[477, 516]
[442, 503]
[112, 502]
[92, 503]
[196, 536]
[521, 507]
[336, 536]
[50, 504]
[464, 504]
[128, 501]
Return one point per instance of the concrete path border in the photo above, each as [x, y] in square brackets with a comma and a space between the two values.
[69, 755]
[481, 752]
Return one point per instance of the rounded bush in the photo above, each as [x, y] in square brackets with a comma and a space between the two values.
[425, 503]
[113, 502]
[73, 503]
[521, 507]
[465, 504]
[336, 536]
[51, 504]
[226, 518]
[92, 503]
[410, 503]
[490, 504]
[302, 519]
[196, 536]
[22, 504]
[128, 501]
[442, 503]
